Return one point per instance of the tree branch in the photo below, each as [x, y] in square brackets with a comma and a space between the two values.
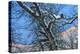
[71, 20]
[27, 9]
[37, 8]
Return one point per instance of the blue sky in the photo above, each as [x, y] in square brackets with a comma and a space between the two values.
[22, 22]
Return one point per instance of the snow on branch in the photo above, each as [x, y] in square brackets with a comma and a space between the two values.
[27, 9]
[71, 20]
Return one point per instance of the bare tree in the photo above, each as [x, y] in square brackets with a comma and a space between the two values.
[36, 12]
[47, 21]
